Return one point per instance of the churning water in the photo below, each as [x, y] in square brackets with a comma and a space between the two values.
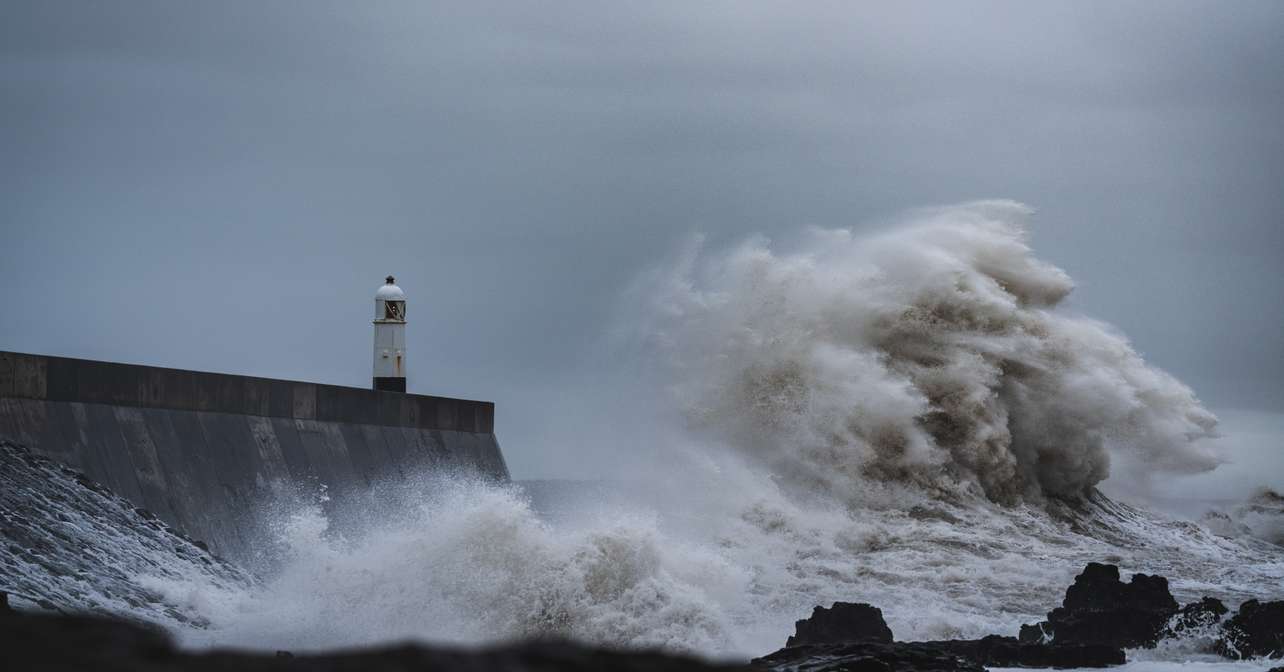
[908, 420]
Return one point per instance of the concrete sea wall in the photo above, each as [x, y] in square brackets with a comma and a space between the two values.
[201, 450]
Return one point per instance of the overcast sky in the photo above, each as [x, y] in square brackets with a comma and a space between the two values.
[223, 185]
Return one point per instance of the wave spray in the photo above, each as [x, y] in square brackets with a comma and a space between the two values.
[909, 419]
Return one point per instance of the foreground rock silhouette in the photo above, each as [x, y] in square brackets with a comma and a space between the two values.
[74, 643]
[843, 622]
[1200, 615]
[850, 636]
[1257, 630]
[1099, 609]
[1099, 617]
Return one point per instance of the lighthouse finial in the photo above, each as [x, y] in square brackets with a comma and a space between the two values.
[390, 280]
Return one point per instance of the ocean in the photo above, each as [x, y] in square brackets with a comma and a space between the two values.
[910, 420]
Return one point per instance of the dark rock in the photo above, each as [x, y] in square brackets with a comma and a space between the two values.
[842, 623]
[1099, 609]
[854, 636]
[1034, 634]
[1257, 629]
[996, 651]
[868, 656]
[1196, 616]
[851, 636]
[58, 643]
[958, 655]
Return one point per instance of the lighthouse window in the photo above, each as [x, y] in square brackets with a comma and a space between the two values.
[394, 310]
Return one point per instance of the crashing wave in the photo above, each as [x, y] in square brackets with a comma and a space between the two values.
[931, 355]
[909, 420]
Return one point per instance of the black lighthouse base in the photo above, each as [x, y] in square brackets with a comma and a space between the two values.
[390, 384]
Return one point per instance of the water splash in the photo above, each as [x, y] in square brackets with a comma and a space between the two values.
[69, 544]
[908, 419]
[932, 355]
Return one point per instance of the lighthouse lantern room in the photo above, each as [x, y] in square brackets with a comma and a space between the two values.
[390, 338]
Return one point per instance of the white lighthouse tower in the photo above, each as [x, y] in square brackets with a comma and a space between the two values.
[390, 338]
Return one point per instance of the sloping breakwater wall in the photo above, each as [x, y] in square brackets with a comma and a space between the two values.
[202, 450]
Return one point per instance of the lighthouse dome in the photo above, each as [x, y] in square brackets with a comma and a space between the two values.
[390, 291]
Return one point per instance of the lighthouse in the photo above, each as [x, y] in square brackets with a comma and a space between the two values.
[390, 338]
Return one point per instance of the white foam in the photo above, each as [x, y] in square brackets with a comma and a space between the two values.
[932, 354]
[887, 420]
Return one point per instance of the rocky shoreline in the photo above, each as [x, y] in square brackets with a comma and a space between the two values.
[1099, 618]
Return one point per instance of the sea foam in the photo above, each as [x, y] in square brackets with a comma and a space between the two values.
[910, 419]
